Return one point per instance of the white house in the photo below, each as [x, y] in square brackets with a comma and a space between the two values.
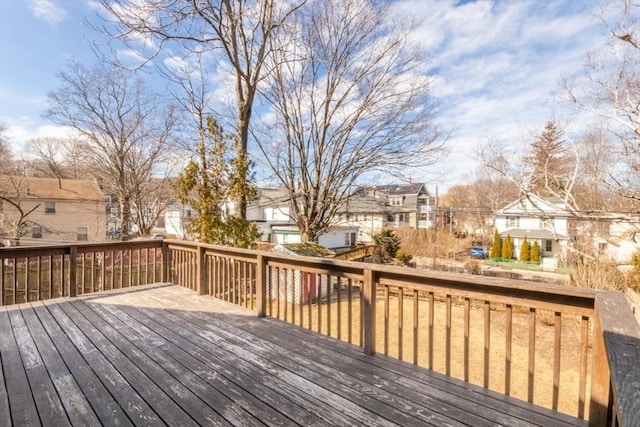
[537, 219]
[620, 239]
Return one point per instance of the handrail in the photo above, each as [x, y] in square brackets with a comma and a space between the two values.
[616, 385]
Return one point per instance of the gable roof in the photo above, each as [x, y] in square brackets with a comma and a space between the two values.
[536, 206]
[50, 188]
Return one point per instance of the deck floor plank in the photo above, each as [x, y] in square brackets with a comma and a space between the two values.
[100, 360]
[323, 371]
[263, 382]
[166, 373]
[155, 395]
[76, 406]
[94, 392]
[46, 397]
[5, 411]
[161, 355]
[209, 380]
[22, 406]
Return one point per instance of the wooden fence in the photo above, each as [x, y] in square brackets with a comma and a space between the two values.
[571, 349]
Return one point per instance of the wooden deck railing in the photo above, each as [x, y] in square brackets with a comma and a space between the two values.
[571, 349]
[38, 273]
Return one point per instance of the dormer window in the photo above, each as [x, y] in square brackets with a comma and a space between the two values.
[395, 201]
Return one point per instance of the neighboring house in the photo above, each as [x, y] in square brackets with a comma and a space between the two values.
[619, 239]
[399, 206]
[408, 205]
[62, 210]
[537, 219]
[176, 218]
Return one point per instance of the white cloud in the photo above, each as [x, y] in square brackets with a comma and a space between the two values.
[20, 131]
[48, 11]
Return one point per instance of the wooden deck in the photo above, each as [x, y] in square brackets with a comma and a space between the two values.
[161, 355]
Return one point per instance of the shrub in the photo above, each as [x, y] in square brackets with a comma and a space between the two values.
[597, 274]
[496, 249]
[386, 246]
[535, 252]
[525, 250]
[472, 267]
[633, 276]
[507, 248]
[404, 257]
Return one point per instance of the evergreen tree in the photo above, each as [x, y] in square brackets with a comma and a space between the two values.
[496, 249]
[535, 252]
[206, 184]
[525, 250]
[386, 246]
[507, 248]
[547, 163]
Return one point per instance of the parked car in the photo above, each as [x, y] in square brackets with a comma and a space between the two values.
[479, 252]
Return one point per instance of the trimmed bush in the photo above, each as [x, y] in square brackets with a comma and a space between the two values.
[535, 252]
[507, 248]
[525, 250]
[496, 249]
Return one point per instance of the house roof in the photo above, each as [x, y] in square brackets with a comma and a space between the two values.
[535, 206]
[397, 190]
[533, 234]
[50, 188]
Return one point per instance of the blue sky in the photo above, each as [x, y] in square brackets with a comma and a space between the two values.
[495, 64]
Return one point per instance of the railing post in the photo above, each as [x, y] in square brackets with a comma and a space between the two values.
[369, 312]
[73, 271]
[599, 407]
[261, 286]
[165, 262]
[201, 272]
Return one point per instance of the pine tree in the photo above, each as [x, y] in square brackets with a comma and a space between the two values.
[547, 163]
[507, 248]
[535, 252]
[207, 183]
[525, 250]
[496, 249]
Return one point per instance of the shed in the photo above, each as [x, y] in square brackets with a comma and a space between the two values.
[295, 286]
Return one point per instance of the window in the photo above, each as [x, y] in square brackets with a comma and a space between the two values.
[513, 221]
[391, 218]
[350, 239]
[36, 232]
[548, 245]
[395, 201]
[82, 234]
[49, 207]
[403, 217]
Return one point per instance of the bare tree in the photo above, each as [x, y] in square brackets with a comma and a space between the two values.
[126, 128]
[609, 88]
[14, 215]
[6, 157]
[62, 158]
[242, 30]
[348, 97]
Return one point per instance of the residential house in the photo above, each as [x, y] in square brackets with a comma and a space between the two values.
[398, 206]
[57, 210]
[537, 219]
[617, 237]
